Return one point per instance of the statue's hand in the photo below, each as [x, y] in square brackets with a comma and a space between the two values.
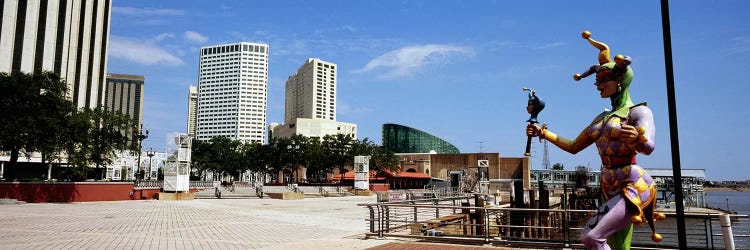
[533, 130]
[628, 133]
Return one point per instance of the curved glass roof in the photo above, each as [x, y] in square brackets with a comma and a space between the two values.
[403, 139]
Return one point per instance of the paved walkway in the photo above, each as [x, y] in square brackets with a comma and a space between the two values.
[318, 223]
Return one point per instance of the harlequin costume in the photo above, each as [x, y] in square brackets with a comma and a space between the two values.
[629, 191]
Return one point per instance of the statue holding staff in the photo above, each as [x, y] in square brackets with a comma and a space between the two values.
[619, 135]
[534, 106]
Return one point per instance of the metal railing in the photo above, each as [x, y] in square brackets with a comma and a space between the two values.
[455, 219]
[147, 184]
[158, 184]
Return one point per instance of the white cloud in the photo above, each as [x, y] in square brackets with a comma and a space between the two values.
[140, 52]
[147, 11]
[346, 109]
[404, 61]
[548, 45]
[349, 28]
[163, 36]
[195, 37]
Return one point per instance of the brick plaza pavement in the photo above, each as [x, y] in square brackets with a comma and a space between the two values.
[313, 223]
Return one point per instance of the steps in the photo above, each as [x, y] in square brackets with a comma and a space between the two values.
[5, 201]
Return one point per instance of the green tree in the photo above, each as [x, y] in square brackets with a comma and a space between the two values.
[316, 161]
[225, 153]
[558, 166]
[39, 118]
[255, 156]
[297, 152]
[381, 159]
[200, 158]
[94, 136]
[339, 150]
[278, 157]
[35, 113]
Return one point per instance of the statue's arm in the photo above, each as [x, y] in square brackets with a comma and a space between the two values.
[643, 119]
[584, 139]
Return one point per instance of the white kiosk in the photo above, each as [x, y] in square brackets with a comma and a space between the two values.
[362, 176]
[361, 172]
[177, 167]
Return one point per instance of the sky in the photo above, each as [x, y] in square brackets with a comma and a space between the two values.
[456, 69]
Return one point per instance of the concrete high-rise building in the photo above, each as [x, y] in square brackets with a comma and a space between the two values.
[68, 37]
[311, 92]
[310, 103]
[232, 92]
[192, 110]
[124, 93]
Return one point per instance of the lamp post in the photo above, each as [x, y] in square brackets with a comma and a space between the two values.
[150, 155]
[140, 136]
[294, 150]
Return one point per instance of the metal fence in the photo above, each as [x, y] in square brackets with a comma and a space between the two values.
[456, 219]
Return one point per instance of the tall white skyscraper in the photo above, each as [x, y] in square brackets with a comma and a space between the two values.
[68, 37]
[192, 110]
[311, 92]
[232, 92]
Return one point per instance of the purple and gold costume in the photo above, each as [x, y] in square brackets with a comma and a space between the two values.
[629, 190]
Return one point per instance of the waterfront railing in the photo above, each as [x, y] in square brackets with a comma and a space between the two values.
[459, 219]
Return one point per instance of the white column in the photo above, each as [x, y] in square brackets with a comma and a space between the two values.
[2, 169]
[9, 32]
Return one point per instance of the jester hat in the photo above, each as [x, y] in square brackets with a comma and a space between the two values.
[609, 70]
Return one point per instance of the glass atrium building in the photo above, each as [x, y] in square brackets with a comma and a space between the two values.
[403, 139]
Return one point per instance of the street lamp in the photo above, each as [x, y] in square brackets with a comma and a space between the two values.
[293, 148]
[140, 136]
[150, 155]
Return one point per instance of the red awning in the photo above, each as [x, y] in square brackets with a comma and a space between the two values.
[412, 175]
[374, 175]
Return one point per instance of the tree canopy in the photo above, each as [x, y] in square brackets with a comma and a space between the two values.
[38, 117]
[319, 156]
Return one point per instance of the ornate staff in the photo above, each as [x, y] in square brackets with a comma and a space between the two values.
[535, 105]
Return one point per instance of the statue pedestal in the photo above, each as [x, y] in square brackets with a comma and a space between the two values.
[287, 196]
[363, 192]
[175, 196]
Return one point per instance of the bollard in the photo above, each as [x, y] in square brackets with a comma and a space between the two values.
[726, 229]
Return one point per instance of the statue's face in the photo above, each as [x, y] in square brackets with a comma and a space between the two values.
[607, 89]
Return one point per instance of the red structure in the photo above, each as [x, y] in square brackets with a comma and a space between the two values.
[394, 180]
[42, 192]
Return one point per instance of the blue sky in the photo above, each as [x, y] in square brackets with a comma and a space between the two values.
[455, 69]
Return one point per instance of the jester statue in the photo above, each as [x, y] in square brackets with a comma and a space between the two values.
[619, 134]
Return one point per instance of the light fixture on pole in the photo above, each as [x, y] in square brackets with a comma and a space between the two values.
[150, 155]
[140, 136]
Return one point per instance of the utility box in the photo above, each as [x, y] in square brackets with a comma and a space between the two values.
[177, 165]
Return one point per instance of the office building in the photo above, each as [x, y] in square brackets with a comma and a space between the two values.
[124, 93]
[313, 128]
[311, 92]
[192, 110]
[68, 37]
[310, 103]
[232, 92]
